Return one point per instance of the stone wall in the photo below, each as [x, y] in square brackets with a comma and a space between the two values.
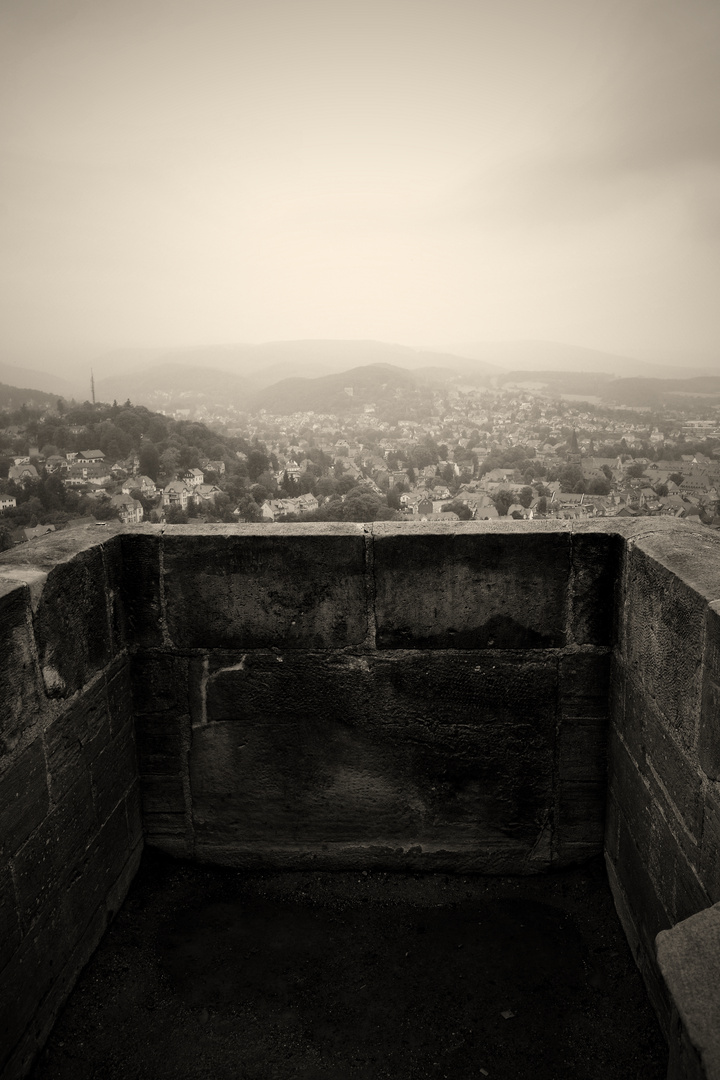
[417, 696]
[420, 696]
[663, 820]
[70, 828]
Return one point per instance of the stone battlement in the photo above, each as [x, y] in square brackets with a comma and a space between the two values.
[475, 697]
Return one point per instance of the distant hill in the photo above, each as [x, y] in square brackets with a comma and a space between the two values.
[13, 397]
[172, 386]
[557, 356]
[343, 393]
[273, 361]
[13, 375]
[641, 392]
[577, 383]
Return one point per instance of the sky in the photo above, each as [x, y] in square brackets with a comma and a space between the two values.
[182, 172]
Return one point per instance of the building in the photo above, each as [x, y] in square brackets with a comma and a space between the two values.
[21, 474]
[176, 493]
[129, 510]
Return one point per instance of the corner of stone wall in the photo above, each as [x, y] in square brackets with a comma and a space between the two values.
[70, 829]
[662, 838]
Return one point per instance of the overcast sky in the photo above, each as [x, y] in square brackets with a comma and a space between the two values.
[178, 172]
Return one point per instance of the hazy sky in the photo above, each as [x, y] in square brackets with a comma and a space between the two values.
[424, 171]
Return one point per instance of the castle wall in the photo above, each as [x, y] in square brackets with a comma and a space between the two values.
[663, 819]
[345, 695]
[489, 697]
[70, 827]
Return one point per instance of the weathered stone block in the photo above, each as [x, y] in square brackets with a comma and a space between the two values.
[119, 694]
[689, 958]
[447, 749]
[584, 687]
[161, 742]
[709, 734]
[141, 587]
[21, 698]
[24, 798]
[582, 780]
[674, 878]
[113, 561]
[582, 750]
[663, 627]
[97, 873]
[133, 812]
[72, 630]
[672, 778]
[161, 826]
[631, 717]
[9, 918]
[159, 683]
[710, 845]
[595, 565]
[236, 590]
[53, 851]
[473, 590]
[647, 907]
[114, 772]
[162, 795]
[630, 790]
[612, 827]
[708, 747]
[75, 738]
[675, 777]
[25, 981]
[70, 910]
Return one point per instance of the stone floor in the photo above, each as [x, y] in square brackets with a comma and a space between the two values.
[211, 973]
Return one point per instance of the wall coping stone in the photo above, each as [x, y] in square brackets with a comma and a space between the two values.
[689, 958]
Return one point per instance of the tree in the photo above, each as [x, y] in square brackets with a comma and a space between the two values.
[257, 463]
[636, 471]
[599, 487]
[5, 538]
[677, 478]
[149, 459]
[393, 498]
[503, 500]
[175, 515]
[463, 512]
[571, 479]
[526, 496]
[363, 505]
[247, 509]
[169, 461]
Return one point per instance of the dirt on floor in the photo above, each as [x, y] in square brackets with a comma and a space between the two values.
[225, 975]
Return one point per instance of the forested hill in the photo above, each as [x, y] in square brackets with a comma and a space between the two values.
[348, 392]
[117, 430]
[14, 397]
[654, 392]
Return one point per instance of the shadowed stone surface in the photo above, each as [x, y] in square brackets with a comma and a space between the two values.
[299, 749]
[20, 698]
[251, 591]
[475, 591]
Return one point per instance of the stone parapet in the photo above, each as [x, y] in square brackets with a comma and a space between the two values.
[491, 697]
[70, 828]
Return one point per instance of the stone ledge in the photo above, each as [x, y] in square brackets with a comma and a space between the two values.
[689, 959]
